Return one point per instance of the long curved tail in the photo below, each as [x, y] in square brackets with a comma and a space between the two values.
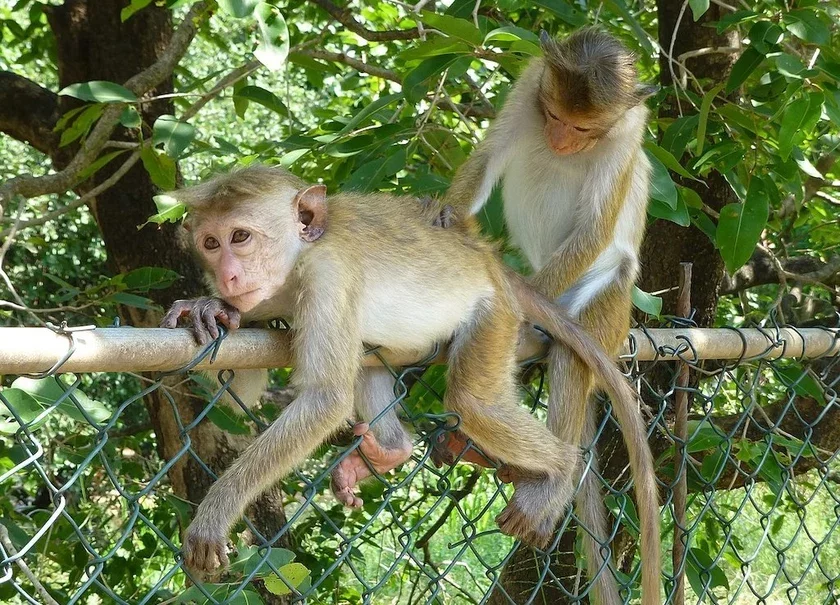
[539, 309]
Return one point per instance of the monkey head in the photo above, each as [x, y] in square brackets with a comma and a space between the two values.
[588, 82]
[246, 262]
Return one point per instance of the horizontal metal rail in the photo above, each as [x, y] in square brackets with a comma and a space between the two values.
[32, 350]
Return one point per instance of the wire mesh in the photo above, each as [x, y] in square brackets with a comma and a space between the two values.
[94, 500]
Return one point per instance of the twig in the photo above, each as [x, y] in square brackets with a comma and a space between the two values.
[361, 66]
[7, 544]
[346, 18]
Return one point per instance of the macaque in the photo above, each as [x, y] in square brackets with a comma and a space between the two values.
[372, 269]
[567, 146]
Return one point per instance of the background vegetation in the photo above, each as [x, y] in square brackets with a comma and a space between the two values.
[104, 105]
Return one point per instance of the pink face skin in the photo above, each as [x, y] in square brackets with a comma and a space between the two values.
[229, 251]
[567, 136]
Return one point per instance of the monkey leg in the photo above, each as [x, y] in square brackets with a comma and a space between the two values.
[572, 416]
[482, 390]
[385, 442]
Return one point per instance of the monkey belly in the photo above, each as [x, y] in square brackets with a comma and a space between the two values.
[401, 317]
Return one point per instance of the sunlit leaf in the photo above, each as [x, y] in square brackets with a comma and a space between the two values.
[294, 574]
[662, 188]
[174, 134]
[698, 8]
[807, 25]
[740, 226]
[705, 106]
[99, 91]
[747, 63]
[274, 37]
[161, 167]
[136, 5]
[238, 8]
[800, 116]
[647, 303]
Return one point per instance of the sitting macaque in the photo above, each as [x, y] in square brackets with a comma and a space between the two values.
[567, 148]
[372, 269]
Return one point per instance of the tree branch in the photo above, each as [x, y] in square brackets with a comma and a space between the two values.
[346, 18]
[761, 270]
[28, 112]
[373, 70]
[31, 186]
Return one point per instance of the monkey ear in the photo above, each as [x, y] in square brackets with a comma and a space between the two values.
[311, 207]
[643, 91]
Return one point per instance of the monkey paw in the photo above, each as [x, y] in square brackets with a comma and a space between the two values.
[206, 314]
[354, 469]
[205, 550]
[536, 507]
[453, 444]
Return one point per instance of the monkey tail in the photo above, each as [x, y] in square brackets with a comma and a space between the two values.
[539, 309]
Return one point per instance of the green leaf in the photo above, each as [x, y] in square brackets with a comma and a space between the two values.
[149, 278]
[510, 33]
[736, 18]
[99, 163]
[618, 7]
[702, 436]
[797, 378]
[453, 26]
[703, 571]
[662, 188]
[679, 134]
[46, 391]
[264, 97]
[169, 209]
[806, 25]
[161, 167]
[705, 106]
[136, 5]
[790, 65]
[722, 157]
[274, 34]
[368, 110]
[698, 8]
[678, 215]
[175, 135]
[414, 83]
[293, 573]
[228, 420]
[130, 117]
[765, 36]
[740, 226]
[24, 405]
[800, 116]
[238, 8]
[749, 60]
[81, 125]
[565, 11]
[647, 303]
[667, 159]
[100, 92]
[434, 47]
[246, 597]
[249, 559]
[131, 300]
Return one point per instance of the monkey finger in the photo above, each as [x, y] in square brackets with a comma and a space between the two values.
[178, 309]
[208, 318]
[360, 428]
[230, 317]
[199, 329]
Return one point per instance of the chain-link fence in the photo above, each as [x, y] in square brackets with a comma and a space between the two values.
[99, 473]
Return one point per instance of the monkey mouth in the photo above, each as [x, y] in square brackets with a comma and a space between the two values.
[244, 301]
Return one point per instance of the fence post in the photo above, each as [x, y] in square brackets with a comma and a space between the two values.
[680, 436]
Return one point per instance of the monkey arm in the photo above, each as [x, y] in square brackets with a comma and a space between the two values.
[593, 232]
[327, 351]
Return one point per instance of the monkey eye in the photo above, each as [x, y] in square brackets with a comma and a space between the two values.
[239, 236]
[579, 129]
[551, 115]
[211, 243]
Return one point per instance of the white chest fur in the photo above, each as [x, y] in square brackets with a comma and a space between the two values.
[541, 192]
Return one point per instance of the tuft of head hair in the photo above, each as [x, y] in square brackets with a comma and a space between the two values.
[593, 70]
[228, 190]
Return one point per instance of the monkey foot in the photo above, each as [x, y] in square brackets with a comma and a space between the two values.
[453, 444]
[354, 469]
[537, 506]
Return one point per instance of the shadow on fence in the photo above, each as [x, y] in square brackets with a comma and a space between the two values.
[90, 514]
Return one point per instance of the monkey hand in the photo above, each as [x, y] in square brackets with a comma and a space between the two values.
[205, 545]
[205, 313]
[440, 216]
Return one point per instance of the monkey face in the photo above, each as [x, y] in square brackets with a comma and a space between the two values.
[566, 134]
[248, 263]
